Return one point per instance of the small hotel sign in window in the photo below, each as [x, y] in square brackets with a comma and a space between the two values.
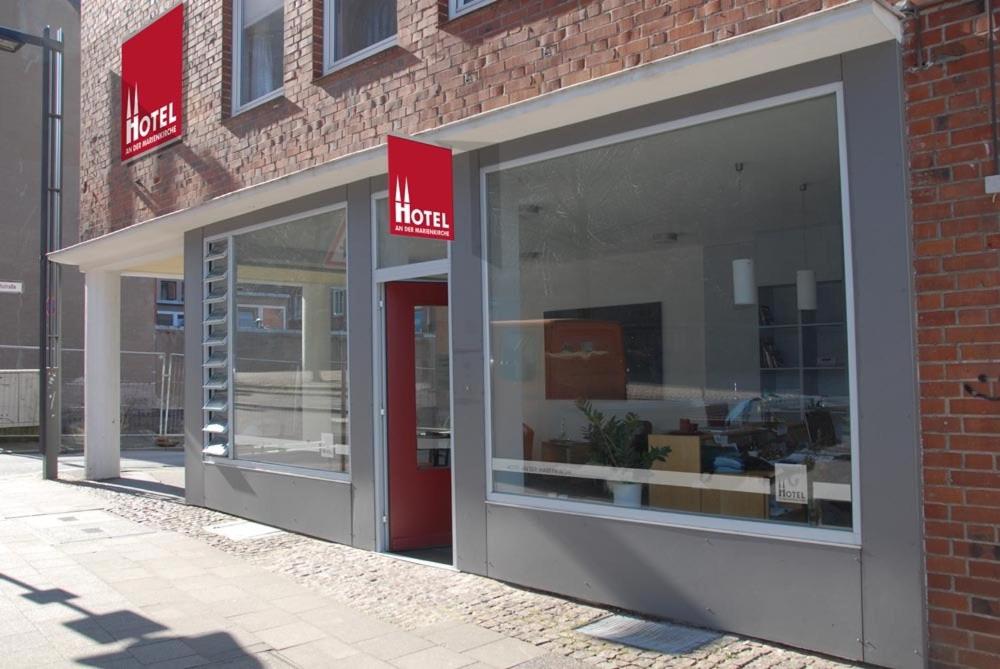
[151, 96]
[420, 189]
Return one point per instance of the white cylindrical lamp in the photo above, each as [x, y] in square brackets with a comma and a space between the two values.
[805, 288]
[744, 282]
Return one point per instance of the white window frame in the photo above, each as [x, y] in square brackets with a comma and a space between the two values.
[331, 65]
[176, 320]
[456, 8]
[180, 291]
[338, 299]
[232, 460]
[237, 65]
[260, 316]
[764, 529]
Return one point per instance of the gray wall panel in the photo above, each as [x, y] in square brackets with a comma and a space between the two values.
[194, 475]
[798, 593]
[890, 445]
[317, 507]
[359, 324]
[469, 464]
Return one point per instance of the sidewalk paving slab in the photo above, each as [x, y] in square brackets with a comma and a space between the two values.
[91, 576]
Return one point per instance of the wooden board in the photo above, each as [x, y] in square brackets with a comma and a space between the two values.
[685, 456]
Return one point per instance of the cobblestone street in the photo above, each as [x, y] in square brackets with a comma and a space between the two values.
[401, 613]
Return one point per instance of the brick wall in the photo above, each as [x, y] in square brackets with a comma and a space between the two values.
[442, 71]
[957, 264]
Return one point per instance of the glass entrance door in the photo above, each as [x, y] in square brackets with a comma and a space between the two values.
[418, 394]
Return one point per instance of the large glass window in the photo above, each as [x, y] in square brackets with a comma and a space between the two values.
[258, 49]
[668, 322]
[290, 364]
[356, 28]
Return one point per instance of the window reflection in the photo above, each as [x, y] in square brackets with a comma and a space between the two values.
[433, 386]
[396, 250]
[668, 322]
[290, 371]
[359, 24]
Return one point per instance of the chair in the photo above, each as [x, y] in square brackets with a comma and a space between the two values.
[822, 433]
[715, 414]
[528, 439]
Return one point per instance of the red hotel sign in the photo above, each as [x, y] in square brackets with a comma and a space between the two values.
[152, 70]
[420, 190]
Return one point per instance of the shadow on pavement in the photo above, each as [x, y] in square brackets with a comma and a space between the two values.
[130, 486]
[140, 632]
[151, 473]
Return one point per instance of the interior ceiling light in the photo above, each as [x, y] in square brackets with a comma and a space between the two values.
[665, 237]
[744, 282]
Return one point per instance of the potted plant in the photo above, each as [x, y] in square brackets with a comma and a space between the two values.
[612, 443]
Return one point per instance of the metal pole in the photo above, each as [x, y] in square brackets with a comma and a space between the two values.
[163, 392]
[48, 468]
[170, 381]
[55, 243]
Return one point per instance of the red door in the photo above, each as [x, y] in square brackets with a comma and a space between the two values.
[418, 415]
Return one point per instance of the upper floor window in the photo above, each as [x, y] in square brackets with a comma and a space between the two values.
[339, 297]
[258, 50]
[459, 7]
[356, 29]
[261, 317]
[170, 320]
[170, 291]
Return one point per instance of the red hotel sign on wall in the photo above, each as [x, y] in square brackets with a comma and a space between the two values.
[420, 190]
[152, 71]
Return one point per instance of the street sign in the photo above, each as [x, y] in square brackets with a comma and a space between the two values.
[15, 287]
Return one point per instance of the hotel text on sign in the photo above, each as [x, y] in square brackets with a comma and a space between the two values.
[420, 190]
[151, 93]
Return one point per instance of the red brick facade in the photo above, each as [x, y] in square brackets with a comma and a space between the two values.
[956, 231]
[444, 70]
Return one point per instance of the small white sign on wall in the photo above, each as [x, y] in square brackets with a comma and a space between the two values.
[326, 449]
[791, 483]
[11, 287]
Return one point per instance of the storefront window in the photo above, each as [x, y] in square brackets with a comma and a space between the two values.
[290, 368]
[396, 250]
[668, 322]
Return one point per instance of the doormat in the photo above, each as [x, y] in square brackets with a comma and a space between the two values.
[660, 637]
[241, 530]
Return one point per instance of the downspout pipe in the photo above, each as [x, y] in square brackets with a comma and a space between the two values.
[991, 47]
